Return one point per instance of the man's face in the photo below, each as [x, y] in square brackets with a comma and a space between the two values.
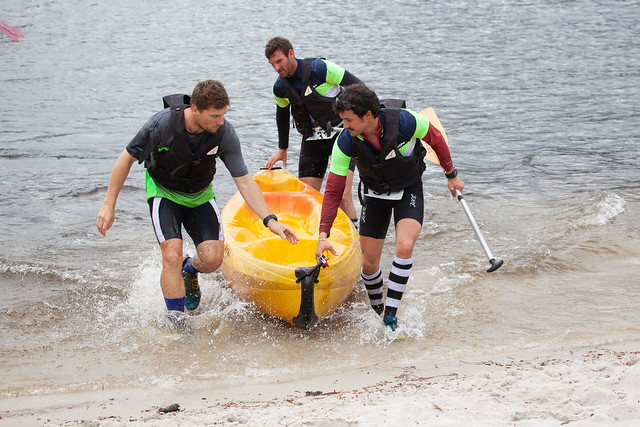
[283, 64]
[210, 119]
[354, 124]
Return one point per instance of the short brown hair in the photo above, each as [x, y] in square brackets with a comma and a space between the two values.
[275, 44]
[359, 99]
[210, 94]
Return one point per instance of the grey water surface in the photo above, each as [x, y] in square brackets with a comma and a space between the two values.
[540, 101]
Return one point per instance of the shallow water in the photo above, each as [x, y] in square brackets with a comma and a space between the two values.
[541, 106]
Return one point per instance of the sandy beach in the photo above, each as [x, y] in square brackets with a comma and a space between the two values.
[595, 385]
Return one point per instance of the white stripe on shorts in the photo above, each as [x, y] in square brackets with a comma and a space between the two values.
[212, 202]
[155, 218]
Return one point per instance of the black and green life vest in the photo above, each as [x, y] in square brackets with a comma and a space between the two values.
[173, 163]
[389, 170]
[308, 108]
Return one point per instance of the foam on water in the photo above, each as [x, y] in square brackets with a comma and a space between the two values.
[601, 209]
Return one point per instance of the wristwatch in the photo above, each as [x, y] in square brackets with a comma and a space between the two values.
[268, 218]
[452, 174]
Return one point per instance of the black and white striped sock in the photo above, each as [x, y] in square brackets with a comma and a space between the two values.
[398, 278]
[373, 283]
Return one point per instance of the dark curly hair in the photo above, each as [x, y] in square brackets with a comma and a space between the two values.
[275, 44]
[359, 99]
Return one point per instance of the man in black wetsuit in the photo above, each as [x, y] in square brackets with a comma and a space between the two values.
[308, 88]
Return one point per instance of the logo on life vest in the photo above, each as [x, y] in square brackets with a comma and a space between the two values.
[308, 91]
[391, 155]
[213, 151]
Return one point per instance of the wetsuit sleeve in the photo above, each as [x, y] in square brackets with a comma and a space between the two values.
[435, 139]
[230, 152]
[336, 182]
[349, 79]
[336, 75]
[331, 201]
[280, 94]
[283, 123]
[341, 154]
[282, 102]
[333, 73]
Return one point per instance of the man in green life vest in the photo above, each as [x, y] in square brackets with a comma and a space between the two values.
[386, 143]
[308, 88]
[179, 146]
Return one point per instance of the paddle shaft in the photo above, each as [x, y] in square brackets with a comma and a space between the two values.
[494, 264]
[431, 115]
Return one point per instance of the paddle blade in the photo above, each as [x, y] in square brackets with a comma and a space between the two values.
[11, 32]
[430, 114]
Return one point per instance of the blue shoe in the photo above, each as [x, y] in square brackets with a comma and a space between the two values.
[191, 288]
[391, 322]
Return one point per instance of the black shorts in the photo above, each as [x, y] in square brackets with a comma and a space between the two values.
[201, 223]
[314, 157]
[376, 213]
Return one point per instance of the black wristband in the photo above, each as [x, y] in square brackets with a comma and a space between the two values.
[268, 218]
[452, 174]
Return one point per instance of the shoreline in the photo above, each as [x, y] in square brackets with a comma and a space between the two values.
[597, 384]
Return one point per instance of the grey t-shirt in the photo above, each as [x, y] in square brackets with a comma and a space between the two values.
[158, 128]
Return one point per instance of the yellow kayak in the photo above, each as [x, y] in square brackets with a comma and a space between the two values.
[261, 267]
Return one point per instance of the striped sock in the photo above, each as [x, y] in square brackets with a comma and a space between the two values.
[398, 278]
[373, 284]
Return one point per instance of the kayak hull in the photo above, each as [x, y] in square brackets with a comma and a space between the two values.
[260, 266]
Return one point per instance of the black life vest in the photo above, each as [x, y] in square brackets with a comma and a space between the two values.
[173, 163]
[389, 170]
[308, 108]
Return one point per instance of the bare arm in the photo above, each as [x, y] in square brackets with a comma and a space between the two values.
[119, 175]
[252, 194]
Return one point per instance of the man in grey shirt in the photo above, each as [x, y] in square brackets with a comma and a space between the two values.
[179, 146]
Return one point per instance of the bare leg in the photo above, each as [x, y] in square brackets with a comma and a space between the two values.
[407, 233]
[313, 182]
[208, 257]
[371, 253]
[171, 281]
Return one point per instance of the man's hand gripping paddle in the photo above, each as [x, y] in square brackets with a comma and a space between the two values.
[430, 114]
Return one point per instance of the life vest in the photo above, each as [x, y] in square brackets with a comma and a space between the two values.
[173, 163]
[308, 108]
[389, 170]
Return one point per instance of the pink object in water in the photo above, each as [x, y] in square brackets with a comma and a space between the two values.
[10, 31]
